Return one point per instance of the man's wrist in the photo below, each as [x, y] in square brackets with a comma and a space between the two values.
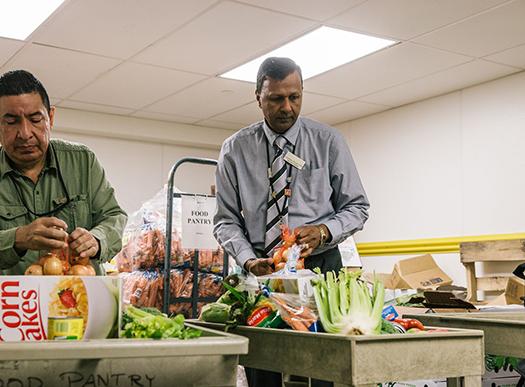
[248, 263]
[323, 234]
[97, 254]
[18, 242]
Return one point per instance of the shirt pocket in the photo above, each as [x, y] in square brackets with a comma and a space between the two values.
[12, 216]
[312, 192]
[76, 213]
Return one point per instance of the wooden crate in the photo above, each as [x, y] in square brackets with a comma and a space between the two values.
[489, 251]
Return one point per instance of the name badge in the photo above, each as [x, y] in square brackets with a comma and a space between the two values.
[294, 160]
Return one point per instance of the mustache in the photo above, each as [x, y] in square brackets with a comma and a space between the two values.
[21, 144]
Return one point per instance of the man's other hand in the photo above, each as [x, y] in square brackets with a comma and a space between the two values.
[42, 234]
[259, 266]
[83, 243]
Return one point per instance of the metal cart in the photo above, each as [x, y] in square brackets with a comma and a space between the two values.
[456, 355]
[194, 299]
[504, 331]
[210, 360]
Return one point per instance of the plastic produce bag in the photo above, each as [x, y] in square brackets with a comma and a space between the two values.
[144, 240]
[298, 316]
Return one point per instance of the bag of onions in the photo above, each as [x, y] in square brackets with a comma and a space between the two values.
[61, 262]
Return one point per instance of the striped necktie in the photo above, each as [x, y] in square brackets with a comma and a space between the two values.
[277, 212]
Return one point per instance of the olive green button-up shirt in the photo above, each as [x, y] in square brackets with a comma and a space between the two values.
[92, 202]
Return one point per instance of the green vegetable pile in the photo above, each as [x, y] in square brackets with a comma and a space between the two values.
[233, 307]
[346, 306]
[149, 323]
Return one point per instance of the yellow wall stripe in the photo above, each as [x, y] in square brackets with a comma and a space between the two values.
[423, 246]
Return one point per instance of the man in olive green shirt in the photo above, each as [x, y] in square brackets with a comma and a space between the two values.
[53, 194]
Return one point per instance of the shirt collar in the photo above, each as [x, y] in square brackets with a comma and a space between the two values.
[291, 134]
[51, 160]
[5, 165]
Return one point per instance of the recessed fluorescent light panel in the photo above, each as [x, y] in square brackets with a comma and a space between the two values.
[316, 52]
[22, 17]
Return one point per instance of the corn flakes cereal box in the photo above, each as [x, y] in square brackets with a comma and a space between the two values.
[28, 302]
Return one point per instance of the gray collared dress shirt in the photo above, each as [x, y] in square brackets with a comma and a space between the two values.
[326, 190]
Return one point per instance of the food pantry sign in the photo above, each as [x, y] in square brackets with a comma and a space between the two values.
[197, 222]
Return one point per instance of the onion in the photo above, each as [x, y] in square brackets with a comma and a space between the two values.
[91, 269]
[44, 258]
[79, 270]
[53, 266]
[34, 269]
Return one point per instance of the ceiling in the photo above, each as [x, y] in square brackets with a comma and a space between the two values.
[159, 59]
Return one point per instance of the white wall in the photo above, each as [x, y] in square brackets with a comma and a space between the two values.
[447, 166]
[138, 154]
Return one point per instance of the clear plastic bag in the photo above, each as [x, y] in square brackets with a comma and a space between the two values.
[293, 311]
[144, 240]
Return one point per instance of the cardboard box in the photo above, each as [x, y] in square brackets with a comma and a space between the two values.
[27, 302]
[419, 272]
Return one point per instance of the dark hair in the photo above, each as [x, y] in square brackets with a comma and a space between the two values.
[19, 82]
[276, 68]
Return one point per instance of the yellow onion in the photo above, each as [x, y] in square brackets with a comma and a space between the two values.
[34, 269]
[79, 270]
[53, 266]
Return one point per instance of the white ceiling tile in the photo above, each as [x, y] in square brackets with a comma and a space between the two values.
[481, 35]
[455, 78]
[404, 19]
[165, 117]
[346, 111]
[93, 107]
[207, 98]
[117, 28]
[513, 57]
[383, 69]
[245, 114]
[233, 126]
[223, 37]
[312, 9]
[7, 49]
[251, 112]
[61, 71]
[134, 85]
[313, 102]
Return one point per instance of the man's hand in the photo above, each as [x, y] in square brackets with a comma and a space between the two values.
[83, 243]
[41, 234]
[310, 238]
[259, 266]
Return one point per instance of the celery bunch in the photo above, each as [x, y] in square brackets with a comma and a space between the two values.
[346, 306]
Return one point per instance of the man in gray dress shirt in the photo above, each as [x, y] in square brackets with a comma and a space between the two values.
[326, 200]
